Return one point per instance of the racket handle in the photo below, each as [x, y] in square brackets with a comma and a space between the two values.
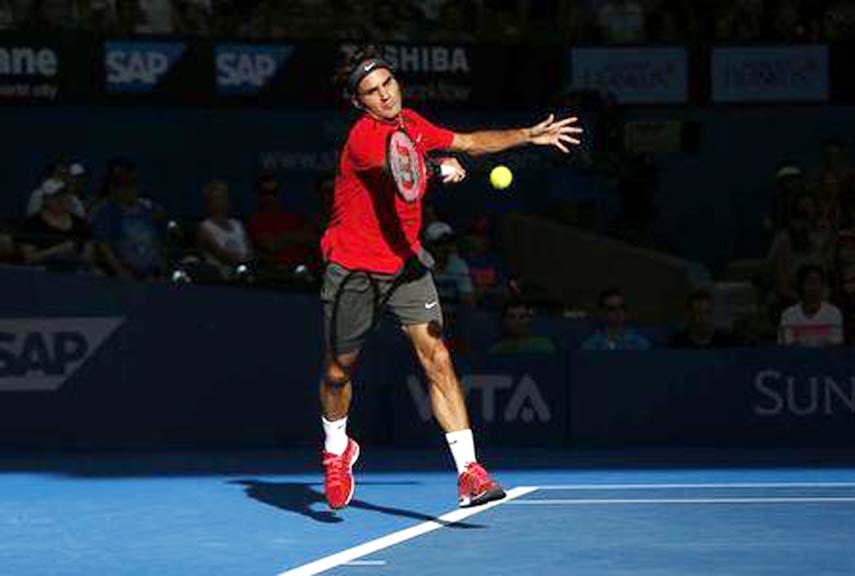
[446, 170]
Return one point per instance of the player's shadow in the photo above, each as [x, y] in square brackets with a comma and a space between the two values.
[301, 498]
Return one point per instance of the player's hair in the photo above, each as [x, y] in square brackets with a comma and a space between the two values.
[346, 78]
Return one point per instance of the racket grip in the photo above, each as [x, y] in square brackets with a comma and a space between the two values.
[445, 170]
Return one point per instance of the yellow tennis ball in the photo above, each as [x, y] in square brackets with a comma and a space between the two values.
[501, 177]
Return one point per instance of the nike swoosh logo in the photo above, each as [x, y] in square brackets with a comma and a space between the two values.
[430, 305]
[369, 66]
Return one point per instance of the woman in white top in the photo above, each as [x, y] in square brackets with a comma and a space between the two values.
[222, 240]
[812, 322]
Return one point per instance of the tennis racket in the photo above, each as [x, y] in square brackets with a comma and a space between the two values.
[406, 165]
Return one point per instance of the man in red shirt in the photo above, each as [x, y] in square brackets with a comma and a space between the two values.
[375, 230]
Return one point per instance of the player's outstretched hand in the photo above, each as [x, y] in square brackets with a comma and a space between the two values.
[560, 133]
[451, 170]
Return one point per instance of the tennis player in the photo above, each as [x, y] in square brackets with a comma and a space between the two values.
[374, 228]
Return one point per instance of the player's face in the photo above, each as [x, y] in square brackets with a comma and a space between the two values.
[379, 95]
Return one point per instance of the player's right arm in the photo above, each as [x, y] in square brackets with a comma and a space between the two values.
[550, 132]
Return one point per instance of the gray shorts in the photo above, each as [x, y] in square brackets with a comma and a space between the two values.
[351, 300]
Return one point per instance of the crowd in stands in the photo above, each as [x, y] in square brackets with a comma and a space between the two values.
[807, 289]
[601, 21]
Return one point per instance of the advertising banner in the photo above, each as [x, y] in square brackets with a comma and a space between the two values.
[790, 397]
[633, 75]
[770, 74]
[46, 69]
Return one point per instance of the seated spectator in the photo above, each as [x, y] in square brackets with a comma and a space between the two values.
[128, 238]
[7, 247]
[812, 322]
[621, 21]
[700, 331]
[222, 240]
[801, 242]
[59, 171]
[282, 239]
[54, 237]
[487, 269]
[450, 273]
[844, 282]
[615, 334]
[516, 332]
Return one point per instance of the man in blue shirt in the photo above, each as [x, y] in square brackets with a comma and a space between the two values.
[615, 334]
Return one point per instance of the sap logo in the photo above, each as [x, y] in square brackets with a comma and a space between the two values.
[40, 354]
[789, 395]
[25, 61]
[433, 59]
[521, 401]
[139, 66]
[246, 68]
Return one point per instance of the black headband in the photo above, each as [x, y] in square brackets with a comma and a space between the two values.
[363, 69]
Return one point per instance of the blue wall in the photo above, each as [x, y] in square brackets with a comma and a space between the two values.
[105, 363]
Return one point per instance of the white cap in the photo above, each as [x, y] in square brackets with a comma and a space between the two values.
[437, 230]
[788, 170]
[77, 169]
[52, 186]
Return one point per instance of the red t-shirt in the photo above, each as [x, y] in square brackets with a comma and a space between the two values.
[371, 227]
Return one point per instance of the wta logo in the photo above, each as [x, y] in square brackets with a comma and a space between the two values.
[501, 398]
[40, 354]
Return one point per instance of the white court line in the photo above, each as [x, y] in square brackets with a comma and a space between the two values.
[365, 563]
[699, 486]
[554, 502]
[367, 548]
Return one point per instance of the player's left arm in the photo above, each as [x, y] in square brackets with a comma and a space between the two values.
[551, 132]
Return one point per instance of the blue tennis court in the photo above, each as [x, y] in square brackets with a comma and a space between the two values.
[263, 513]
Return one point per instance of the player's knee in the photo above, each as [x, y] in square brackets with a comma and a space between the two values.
[439, 359]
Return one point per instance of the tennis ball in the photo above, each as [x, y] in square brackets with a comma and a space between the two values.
[501, 177]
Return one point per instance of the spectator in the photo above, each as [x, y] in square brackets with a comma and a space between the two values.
[829, 185]
[128, 238]
[516, 332]
[54, 237]
[615, 334]
[60, 171]
[812, 322]
[801, 242]
[789, 185]
[621, 22]
[700, 331]
[7, 246]
[486, 268]
[844, 282]
[222, 239]
[451, 272]
[121, 172]
[282, 239]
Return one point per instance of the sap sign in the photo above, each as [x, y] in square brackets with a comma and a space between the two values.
[40, 354]
[247, 68]
[139, 66]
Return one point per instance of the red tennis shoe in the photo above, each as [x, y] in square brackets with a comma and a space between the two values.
[476, 487]
[338, 475]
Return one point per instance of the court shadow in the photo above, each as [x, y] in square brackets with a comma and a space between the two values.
[301, 498]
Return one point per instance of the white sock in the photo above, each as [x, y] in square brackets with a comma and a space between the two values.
[335, 433]
[462, 447]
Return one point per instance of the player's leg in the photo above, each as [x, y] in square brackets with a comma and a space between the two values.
[348, 308]
[416, 306]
